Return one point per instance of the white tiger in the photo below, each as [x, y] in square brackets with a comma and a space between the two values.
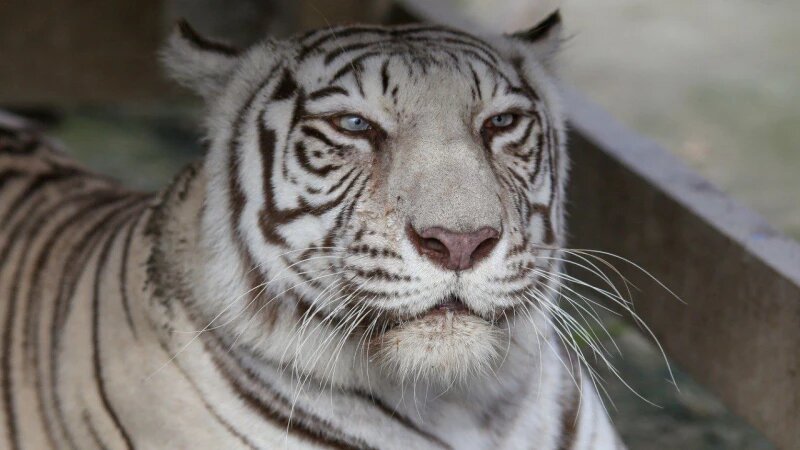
[366, 258]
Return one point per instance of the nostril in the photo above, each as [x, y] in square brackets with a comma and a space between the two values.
[483, 249]
[434, 245]
[428, 246]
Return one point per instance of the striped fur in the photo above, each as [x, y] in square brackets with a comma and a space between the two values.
[270, 297]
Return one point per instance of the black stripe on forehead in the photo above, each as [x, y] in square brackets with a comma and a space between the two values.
[324, 35]
[463, 40]
[286, 88]
[352, 48]
[385, 76]
[458, 60]
[412, 44]
[354, 66]
[327, 92]
[347, 39]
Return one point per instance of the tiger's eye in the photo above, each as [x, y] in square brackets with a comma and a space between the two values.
[501, 120]
[352, 122]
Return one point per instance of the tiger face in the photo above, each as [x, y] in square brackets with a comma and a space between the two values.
[397, 188]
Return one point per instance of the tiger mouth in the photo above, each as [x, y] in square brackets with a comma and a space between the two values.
[455, 306]
[451, 304]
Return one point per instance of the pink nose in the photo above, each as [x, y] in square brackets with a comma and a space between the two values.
[454, 250]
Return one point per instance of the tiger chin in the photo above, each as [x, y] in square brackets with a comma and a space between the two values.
[447, 346]
[368, 256]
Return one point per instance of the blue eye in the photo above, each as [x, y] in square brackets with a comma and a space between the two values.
[352, 122]
[501, 120]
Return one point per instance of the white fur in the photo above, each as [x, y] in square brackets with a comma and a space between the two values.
[446, 371]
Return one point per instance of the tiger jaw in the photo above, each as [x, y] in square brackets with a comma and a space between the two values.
[447, 345]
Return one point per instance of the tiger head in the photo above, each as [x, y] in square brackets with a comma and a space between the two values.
[394, 191]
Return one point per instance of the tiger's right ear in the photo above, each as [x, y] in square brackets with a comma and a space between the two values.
[200, 64]
[543, 39]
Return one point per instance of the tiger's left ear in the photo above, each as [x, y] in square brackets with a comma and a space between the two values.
[544, 38]
[200, 64]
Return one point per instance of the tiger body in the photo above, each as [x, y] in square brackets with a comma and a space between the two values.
[282, 292]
